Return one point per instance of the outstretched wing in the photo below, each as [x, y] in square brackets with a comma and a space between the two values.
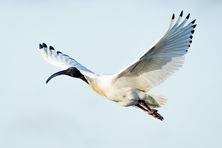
[59, 59]
[161, 60]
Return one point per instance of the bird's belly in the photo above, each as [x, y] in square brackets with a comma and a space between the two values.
[125, 97]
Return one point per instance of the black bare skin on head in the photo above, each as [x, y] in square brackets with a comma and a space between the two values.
[72, 72]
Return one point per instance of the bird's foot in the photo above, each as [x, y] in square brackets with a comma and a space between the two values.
[155, 114]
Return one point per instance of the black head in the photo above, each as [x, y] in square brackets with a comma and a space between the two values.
[72, 72]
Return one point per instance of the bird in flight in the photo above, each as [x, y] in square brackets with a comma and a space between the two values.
[131, 86]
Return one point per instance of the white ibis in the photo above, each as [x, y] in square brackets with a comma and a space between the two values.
[131, 86]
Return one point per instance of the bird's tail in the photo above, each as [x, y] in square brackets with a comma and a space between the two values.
[155, 101]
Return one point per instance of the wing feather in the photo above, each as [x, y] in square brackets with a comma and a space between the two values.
[162, 60]
[59, 59]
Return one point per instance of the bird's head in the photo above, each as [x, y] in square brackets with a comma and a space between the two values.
[72, 72]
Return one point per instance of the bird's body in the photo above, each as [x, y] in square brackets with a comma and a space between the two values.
[131, 86]
[105, 86]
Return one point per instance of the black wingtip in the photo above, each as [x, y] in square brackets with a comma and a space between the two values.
[51, 48]
[191, 37]
[173, 16]
[190, 41]
[192, 31]
[44, 45]
[193, 21]
[188, 16]
[40, 46]
[181, 13]
[58, 52]
[194, 26]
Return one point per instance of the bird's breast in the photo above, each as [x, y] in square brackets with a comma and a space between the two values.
[98, 90]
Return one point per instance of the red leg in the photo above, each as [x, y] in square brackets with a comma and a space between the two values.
[153, 112]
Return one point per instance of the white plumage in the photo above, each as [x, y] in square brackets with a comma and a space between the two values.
[130, 87]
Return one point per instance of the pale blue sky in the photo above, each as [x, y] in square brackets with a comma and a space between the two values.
[105, 36]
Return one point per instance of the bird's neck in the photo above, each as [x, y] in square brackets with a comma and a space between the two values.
[101, 84]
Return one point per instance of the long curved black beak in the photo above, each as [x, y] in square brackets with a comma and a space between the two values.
[72, 72]
[63, 72]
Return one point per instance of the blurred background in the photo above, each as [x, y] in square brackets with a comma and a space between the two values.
[105, 36]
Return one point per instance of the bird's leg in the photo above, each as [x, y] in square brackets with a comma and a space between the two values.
[141, 107]
[153, 112]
